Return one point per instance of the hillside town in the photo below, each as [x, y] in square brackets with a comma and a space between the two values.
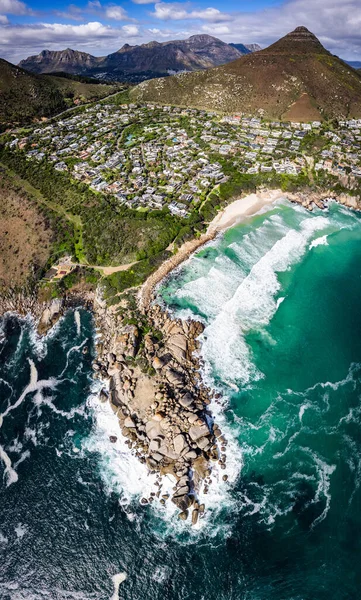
[150, 157]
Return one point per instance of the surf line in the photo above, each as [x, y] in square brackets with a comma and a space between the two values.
[34, 385]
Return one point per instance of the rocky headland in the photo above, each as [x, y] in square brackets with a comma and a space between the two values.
[151, 362]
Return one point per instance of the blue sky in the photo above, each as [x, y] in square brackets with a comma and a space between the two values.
[100, 27]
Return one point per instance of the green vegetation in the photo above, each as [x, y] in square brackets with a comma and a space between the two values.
[103, 233]
[122, 98]
[25, 96]
[124, 280]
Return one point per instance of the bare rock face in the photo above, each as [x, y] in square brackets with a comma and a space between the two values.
[50, 315]
[174, 377]
[157, 363]
[198, 431]
[179, 443]
[153, 59]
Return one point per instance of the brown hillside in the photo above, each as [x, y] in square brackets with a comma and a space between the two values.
[295, 77]
[25, 236]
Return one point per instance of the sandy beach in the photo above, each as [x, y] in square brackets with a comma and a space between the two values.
[233, 214]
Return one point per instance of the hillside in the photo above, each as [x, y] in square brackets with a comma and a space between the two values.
[25, 96]
[136, 63]
[296, 78]
[26, 236]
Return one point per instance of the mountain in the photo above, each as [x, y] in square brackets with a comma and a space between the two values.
[66, 61]
[293, 79]
[356, 64]
[136, 63]
[25, 96]
[253, 47]
[246, 48]
[197, 52]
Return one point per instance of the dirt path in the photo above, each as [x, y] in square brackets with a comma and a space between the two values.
[106, 270]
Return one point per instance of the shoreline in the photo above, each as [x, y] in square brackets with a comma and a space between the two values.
[233, 214]
[238, 210]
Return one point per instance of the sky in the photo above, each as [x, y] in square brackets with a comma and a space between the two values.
[101, 27]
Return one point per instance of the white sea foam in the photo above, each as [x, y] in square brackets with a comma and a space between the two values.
[124, 474]
[10, 474]
[303, 409]
[40, 400]
[323, 472]
[77, 321]
[161, 574]
[31, 434]
[120, 469]
[252, 306]
[320, 241]
[221, 280]
[249, 303]
[34, 385]
[117, 580]
[24, 455]
[21, 530]
[3, 540]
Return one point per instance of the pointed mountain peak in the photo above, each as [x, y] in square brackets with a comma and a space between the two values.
[301, 34]
[298, 41]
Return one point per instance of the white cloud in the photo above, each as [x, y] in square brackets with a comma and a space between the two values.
[215, 29]
[176, 11]
[13, 7]
[20, 41]
[117, 13]
[3, 19]
[167, 33]
[145, 1]
[94, 5]
[210, 14]
[16, 36]
[130, 30]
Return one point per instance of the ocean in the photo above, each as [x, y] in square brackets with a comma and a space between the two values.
[280, 298]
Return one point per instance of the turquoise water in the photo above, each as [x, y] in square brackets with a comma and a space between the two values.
[280, 297]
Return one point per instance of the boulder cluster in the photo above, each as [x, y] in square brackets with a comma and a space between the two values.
[155, 389]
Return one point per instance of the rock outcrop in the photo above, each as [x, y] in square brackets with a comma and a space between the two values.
[156, 393]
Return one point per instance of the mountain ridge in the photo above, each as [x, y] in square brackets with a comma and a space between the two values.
[138, 62]
[294, 78]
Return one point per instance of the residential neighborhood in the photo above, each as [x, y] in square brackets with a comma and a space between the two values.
[150, 157]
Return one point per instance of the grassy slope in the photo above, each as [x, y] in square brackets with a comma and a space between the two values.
[24, 96]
